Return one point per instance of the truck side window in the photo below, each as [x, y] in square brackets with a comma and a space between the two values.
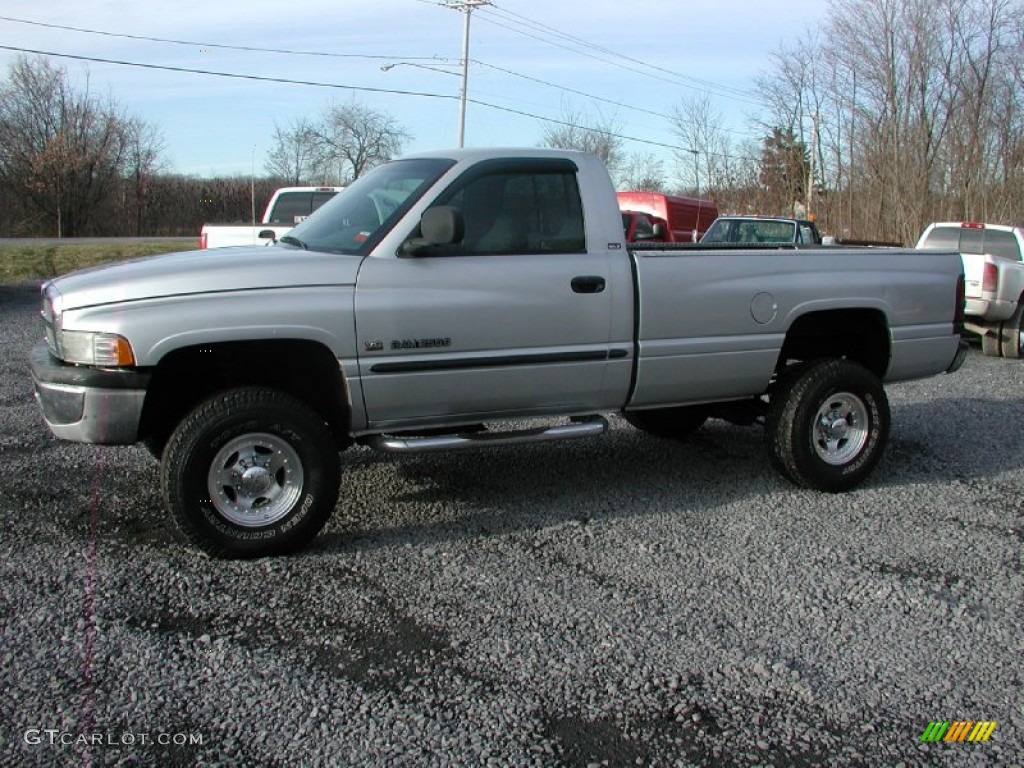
[513, 211]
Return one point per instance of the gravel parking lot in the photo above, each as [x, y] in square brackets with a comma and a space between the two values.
[616, 601]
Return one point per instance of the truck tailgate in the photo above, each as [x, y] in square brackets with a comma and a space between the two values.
[974, 269]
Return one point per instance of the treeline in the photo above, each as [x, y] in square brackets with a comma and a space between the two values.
[901, 111]
[891, 114]
[170, 206]
[73, 164]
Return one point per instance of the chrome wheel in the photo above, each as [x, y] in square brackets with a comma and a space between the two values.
[840, 429]
[255, 479]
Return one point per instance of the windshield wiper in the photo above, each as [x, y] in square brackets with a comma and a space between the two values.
[293, 241]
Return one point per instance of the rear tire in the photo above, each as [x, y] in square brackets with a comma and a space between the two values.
[251, 472]
[1011, 335]
[827, 425]
[671, 423]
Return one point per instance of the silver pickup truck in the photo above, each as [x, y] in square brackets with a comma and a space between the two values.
[993, 256]
[472, 298]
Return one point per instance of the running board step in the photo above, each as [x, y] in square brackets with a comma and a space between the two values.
[588, 426]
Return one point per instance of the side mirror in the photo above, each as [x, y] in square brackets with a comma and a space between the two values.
[268, 234]
[439, 226]
[828, 240]
[659, 231]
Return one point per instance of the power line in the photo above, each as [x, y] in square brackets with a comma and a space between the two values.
[674, 77]
[567, 89]
[378, 57]
[237, 76]
[510, 17]
[222, 46]
[340, 86]
[570, 90]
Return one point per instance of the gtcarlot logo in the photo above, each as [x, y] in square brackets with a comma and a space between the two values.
[57, 737]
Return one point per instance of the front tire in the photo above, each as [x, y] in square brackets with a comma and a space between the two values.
[828, 425]
[251, 472]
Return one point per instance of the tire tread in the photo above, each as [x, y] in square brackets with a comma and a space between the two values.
[784, 433]
[186, 440]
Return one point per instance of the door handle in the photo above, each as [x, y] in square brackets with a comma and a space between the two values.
[588, 284]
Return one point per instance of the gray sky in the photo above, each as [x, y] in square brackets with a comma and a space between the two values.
[630, 62]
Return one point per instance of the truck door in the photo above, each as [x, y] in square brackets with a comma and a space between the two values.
[514, 317]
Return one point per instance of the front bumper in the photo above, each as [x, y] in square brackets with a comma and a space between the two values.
[88, 405]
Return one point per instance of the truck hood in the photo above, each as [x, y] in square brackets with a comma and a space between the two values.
[206, 271]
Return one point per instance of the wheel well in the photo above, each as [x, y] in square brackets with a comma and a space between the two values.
[305, 369]
[860, 335]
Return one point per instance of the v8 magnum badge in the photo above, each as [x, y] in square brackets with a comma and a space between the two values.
[420, 343]
[373, 346]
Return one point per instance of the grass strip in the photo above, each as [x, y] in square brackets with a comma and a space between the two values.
[36, 262]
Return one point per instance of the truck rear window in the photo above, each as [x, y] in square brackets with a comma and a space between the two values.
[995, 242]
[292, 207]
[750, 231]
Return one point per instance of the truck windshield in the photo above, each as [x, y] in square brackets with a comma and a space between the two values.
[362, 213]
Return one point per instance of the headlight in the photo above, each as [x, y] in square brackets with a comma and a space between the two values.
[107, 350]
[103, 349]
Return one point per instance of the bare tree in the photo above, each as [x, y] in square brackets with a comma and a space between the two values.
[143, 148]
[586, 133]
[61, 150]
[354, 138]
[643, 172]
[297, 156]
[708, 156]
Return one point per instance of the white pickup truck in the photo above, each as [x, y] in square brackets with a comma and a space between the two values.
[476, 298]
[994, 275]
[287, 207]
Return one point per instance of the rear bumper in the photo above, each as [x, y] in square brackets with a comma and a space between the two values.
[88, 405]
[984, 311]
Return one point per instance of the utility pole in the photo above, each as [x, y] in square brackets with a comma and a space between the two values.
[466, 6]
[252, 184]
[810, 170]
[696, 170]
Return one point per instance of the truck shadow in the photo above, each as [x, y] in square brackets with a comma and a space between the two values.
[949, 439]
[629, 474]
[487, 492]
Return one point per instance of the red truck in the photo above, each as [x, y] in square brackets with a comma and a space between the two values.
[657, 217]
